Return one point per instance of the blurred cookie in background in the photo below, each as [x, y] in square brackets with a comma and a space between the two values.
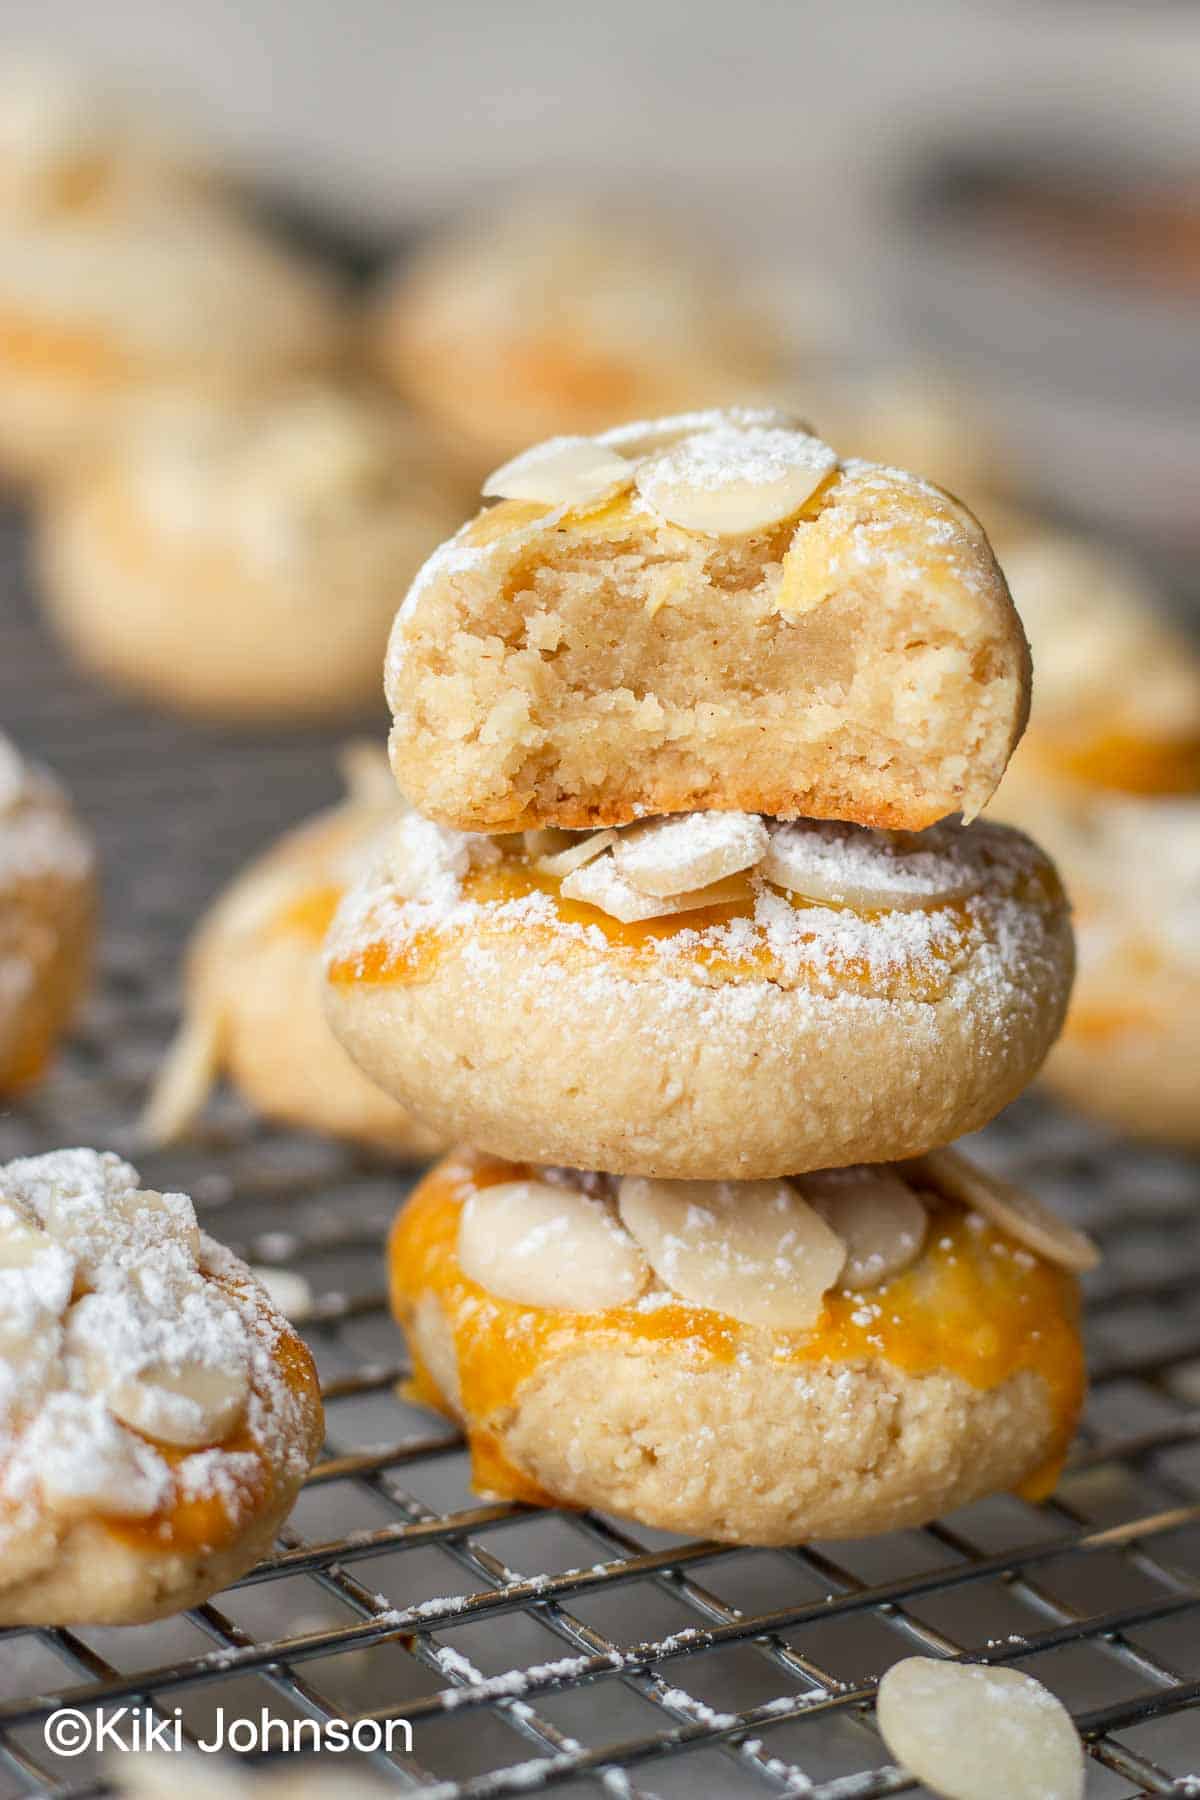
[1108, 779]
[120, 276]
[47, 917]
[554, 316]
[243, 558]
[70, 144]
[253, 987]
[907, 416]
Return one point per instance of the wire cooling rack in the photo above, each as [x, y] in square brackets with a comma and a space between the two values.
[575, 1653]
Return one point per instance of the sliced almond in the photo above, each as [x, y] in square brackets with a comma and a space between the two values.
[546, 842]
[752, 1249]
[185, 1079]
[289, 1292]
[865, 870]
[188, 1407]
[1014, 1210]
[575, 855]
[727, 482]
[21, 1241]
[667, 857]
[877, 1216]
[599, 884]
[644, 436]
[434, 1339]
[970, 1732]
[548, 1246]
[564, 471]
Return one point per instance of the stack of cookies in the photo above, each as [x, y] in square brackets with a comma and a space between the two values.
[684, 940]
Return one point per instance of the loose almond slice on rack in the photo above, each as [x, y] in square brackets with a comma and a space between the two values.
[672, 856]
[564, 471]
[730, 481]
[868, 871]
[1015, 1211]
[970, 1732]
[876, 1215]
[600, 884]
[185, 1079]
[752, 1249]
[551, 1246]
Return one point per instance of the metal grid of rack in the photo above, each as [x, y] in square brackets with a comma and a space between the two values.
[572, 1652]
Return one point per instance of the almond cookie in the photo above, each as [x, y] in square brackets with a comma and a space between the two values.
[105, 304]
[157, 1415]
[47, 917]
[712, 612]
[854, 1351]
[554, 319]
[68, 143]
[706, 995]
[244, 560]
[1108, 777]
[253, 1006]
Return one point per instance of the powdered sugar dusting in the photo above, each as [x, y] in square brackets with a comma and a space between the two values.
[770, 941]
[122, 1327]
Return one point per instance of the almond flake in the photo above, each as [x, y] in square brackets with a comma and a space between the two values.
[728, 482]
[564, 471]
[672, 856]
[970, 1732]
[1014, 1210]
[876, 1215]
[599, 884]
[871, 871]
[752, 1249]
[575, 855]
[550, 1246]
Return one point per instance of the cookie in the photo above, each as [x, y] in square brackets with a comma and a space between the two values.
[157, 1414]
[103, 307]
[244, 561]
[47, 917]
[792, 996]
[1108, 777]
[558, 318]
[710, 612]
[253, 1004]
[70, 144]
[763, 1362]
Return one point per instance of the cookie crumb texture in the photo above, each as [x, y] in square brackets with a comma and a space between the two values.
[47, 917]
[860, 659]
[961, 1376]
[157, 1414]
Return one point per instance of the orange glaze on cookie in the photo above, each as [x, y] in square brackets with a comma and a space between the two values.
[309, 915]
[392, 962]
[973, 1305]
[1123, 763]
[30, 346]
[206, 1522]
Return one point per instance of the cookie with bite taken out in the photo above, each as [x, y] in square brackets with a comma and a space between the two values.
[710, 612]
